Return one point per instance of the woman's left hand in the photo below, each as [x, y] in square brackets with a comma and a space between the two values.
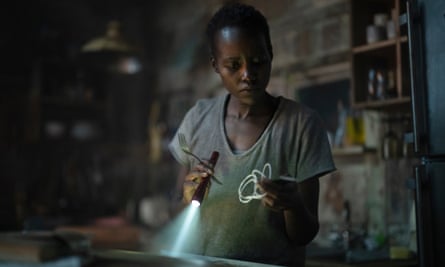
[280, 195]
[299, 204]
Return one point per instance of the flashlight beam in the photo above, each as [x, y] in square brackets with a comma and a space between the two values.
[191, 211]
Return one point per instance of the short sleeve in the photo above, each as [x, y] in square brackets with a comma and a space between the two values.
[314, 154]
[185, 128]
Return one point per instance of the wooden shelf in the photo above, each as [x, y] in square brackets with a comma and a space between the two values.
[351, 150]
[388, 56]
[374, 46]
[384, 104]
[348, 151]
[378, 45]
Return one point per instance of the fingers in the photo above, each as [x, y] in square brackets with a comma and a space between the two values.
[272, 204]
[203, 170]
[276, 188]
[193, 179]
[198, 172]
[279, 195]
[204, 167]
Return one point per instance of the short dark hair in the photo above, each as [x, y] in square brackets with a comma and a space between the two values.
[238, 15]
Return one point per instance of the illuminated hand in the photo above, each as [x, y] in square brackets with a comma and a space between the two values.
[194, 178]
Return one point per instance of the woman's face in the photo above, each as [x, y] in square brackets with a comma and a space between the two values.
[243, 62]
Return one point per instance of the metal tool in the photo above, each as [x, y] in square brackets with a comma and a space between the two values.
[186, 149]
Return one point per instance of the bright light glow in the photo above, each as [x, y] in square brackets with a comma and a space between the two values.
[185, 229]
[195, 203]
[130, 65]
[179, 235]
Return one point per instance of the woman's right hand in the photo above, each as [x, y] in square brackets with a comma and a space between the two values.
[194, 178]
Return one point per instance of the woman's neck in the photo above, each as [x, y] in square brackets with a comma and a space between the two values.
[264, 107]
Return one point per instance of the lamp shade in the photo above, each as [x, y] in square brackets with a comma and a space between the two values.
[111, 41]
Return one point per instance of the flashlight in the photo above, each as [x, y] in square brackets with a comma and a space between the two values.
[198, 196]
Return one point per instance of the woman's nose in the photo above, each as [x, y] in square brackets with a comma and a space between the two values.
[248, 73]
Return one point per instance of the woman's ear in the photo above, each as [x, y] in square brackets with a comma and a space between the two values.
[214, 66]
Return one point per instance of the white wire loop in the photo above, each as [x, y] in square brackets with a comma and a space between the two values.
[253, 177]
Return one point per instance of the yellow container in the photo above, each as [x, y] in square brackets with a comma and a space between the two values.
[399, 252]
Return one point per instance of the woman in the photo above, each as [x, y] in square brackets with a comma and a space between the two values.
[259, 137]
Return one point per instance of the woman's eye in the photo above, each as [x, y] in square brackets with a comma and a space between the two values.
[258, 60]
[235, 65]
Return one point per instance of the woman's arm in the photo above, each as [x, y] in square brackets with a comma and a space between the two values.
[299, 204]
[302, 219]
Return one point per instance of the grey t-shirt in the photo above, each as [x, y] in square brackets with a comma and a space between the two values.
[295, 144]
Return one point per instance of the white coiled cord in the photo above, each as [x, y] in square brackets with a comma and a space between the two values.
[253, 177]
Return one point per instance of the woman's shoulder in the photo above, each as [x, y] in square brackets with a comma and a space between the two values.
[204, 109]
[206, 104]
[296, 108]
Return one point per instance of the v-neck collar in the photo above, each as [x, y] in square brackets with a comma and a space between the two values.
[258, 141]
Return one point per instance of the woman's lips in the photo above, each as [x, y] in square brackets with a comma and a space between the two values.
[248, 89]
